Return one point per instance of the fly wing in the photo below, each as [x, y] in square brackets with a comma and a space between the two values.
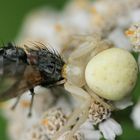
[11, 67]
[11, 73]
[16, 78]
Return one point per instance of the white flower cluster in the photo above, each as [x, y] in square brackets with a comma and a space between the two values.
[79, 17]
[51, 121]
[134, 34]
[98, 113]
[96, 22]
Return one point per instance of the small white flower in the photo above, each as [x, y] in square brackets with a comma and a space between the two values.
[124, 103]
[52, 121]
[134, 35]
[34, 133]
[98, 113]
[110, 129]
[119, 39]
[135, 116]
[87, 129]
[135, 15]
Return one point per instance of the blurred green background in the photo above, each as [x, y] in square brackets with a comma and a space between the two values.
[12, 14]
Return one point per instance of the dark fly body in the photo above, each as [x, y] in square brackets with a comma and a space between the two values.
[24, 69]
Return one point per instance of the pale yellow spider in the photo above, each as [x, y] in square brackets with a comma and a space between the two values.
[79, 83]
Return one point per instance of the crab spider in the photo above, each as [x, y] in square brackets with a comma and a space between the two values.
[77, 86]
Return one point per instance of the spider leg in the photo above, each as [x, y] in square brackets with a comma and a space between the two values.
[79, 115]
[31, 104]
[80, 120]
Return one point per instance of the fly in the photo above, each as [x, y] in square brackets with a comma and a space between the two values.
[24, 69]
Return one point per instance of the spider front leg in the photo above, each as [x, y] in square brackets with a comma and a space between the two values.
[79, 115]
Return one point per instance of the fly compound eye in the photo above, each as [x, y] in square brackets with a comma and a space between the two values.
[50, 68]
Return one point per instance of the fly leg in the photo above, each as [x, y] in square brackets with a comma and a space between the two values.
[16, 103]
[31, 104]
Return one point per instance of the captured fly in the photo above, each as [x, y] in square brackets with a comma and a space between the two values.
[23, 69]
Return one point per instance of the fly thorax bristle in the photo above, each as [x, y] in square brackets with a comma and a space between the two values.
[98, 112]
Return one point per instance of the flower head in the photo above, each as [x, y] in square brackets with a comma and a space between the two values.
[134, 35]
[110, 129]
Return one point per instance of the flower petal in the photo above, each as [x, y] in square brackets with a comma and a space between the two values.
[110, 129]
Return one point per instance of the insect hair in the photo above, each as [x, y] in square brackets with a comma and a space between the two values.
[40, 48]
